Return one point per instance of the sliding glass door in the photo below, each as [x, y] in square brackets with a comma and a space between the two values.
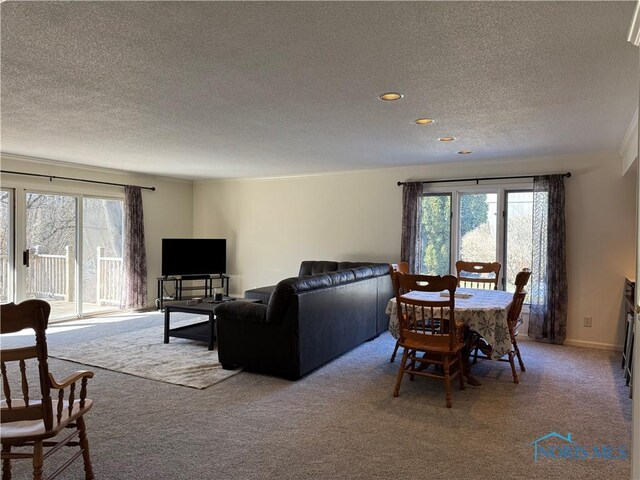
[50, 251]
[6, 245]
[70, 252]
[101, 254]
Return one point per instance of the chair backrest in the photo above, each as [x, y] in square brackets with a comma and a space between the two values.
[416, 314]
[402, 267]
[394, 268]
[515, 309]
[522, 278]
[28, 314]
[478, 274]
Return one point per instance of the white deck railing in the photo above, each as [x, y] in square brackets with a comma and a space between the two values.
[49, 276]
[108, 279]
[4, 278]
[52, 276]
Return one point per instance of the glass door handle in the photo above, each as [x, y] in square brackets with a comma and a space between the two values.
[25, 257]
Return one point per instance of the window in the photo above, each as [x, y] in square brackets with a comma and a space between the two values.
[436, 231]
[478, 227]
[478, 223]
[519, 235]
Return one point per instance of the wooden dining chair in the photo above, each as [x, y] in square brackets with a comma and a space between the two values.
[401, 267]
[423, 343]
[513, 321]
[32, 421]
[478, 274]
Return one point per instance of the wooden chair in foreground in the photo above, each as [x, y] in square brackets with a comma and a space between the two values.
[32, 421]
[513, 322]
[424, 343]
[402, 267]
[478, 274]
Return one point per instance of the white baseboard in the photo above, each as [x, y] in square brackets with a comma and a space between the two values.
[596, 345]
[581, 343]
[572, 343]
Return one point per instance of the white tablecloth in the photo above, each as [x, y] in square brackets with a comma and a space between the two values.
[485, 311]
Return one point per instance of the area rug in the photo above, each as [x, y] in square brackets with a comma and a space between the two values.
[142, 353]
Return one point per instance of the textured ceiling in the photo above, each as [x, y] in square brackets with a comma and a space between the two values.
[238, 89]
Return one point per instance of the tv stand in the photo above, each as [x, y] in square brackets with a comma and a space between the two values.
[199, 283]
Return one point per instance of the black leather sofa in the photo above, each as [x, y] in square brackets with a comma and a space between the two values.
[309, 320]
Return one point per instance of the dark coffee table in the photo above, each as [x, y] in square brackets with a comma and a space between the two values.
[201, 331]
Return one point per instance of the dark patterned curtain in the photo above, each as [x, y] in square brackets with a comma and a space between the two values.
[135, 256]
[548, 315]
[410, 243]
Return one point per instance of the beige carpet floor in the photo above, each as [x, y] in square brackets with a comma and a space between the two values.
[342, 422]
[144, 354]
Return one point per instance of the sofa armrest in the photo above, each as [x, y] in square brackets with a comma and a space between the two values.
[239, 311]
[245, 338]
[262, 293]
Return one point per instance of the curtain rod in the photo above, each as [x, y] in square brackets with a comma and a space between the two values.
[54, 177]
[477, 180]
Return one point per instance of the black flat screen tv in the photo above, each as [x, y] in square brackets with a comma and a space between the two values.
[194, 256]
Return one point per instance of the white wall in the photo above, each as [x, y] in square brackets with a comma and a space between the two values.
[167, 211]
[273, 224]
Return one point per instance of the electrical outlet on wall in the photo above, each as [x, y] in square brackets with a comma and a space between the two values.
[588, 321]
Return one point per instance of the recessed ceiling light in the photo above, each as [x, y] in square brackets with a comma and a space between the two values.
[390, 96]
[424, 121]
[446, 139]
[465, 152]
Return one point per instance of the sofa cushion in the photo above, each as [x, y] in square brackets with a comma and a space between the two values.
[362, 272]
[350, 265]
[286, 288]
[341, 277]
[313, 267]
[379, 269]
[310, 282]
[279, 301]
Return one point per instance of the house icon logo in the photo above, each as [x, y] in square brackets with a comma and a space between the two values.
[554, 446]
[538, 444]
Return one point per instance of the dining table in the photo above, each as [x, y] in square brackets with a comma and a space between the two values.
[481, 310]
